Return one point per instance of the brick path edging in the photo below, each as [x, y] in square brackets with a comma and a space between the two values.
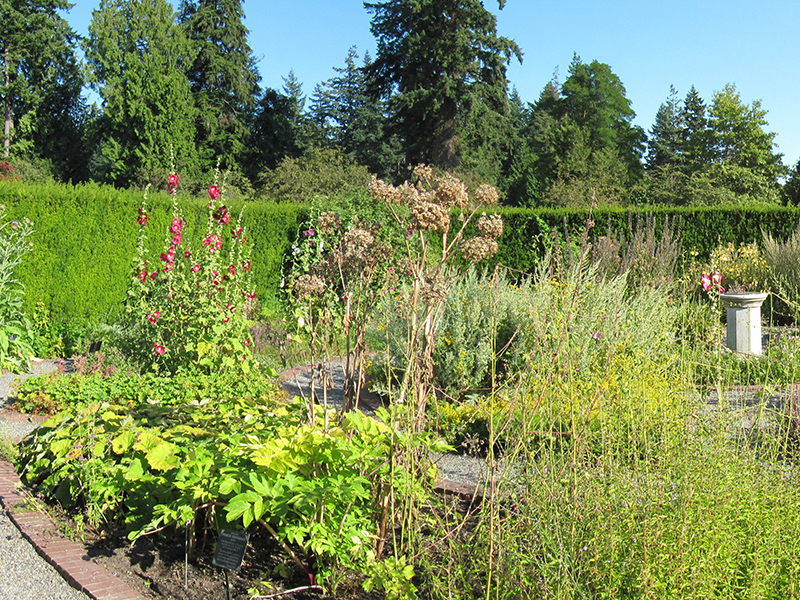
[68, 558]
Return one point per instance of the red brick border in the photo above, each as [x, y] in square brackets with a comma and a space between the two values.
[68, 558]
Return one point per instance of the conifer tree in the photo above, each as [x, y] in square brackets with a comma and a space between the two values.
[442, 67]
[223, 77]
[37, 53]
[139, 57]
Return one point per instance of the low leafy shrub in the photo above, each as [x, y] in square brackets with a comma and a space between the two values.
[95, 382]
[254, 463]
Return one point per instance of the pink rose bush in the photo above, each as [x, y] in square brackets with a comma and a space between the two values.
[184, 314]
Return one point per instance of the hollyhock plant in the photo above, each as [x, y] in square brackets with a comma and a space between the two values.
[187, 317]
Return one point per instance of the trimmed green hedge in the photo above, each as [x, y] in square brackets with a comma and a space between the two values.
[85, 238]
[84, 243]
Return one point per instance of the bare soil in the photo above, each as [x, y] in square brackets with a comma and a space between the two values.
[154, 566]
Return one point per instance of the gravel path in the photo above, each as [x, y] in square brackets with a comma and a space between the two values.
[24, 575]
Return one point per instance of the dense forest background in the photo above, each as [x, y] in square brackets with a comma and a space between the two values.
[180, 92]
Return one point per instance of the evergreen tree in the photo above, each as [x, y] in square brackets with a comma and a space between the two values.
[744, 157]
[594, 97]
[273, 132]
[695, 134]
[442, 66]
[37, 51]
[352, 120]
[664, 146]
[139, 57]
[223, 77]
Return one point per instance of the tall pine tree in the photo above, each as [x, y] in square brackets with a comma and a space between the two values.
[352, 120]
[223, 77]
[442, 66]
[39, 67]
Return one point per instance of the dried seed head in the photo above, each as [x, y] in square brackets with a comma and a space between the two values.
[451, 192]
[486, 195]
[424, 173]
[490, 226]
[382, 191]
[328, 222]
[427, 215]
[309, 285]
[433, 290]
[478, 248]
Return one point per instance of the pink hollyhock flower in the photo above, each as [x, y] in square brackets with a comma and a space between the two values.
[143, 276]
[195, 268]
[176, 239]
[597, 335]
[172, 180]
[705, 282]
[158, 348]
[232, 270]
[246, 265]
[153, 276]
[176, 225]
[142, 220]
[171, 254]
[187, 254]
[236, 232]
[163, 257]
[213, 192]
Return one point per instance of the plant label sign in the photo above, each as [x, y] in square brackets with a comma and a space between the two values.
[231, 547]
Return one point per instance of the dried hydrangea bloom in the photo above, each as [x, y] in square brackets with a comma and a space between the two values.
[424, 173]
[490, 226]
[382, 191]
[478, 248]
[309, 285]
[328, 222]
[451, 192]
[427, 215]
[486, 195]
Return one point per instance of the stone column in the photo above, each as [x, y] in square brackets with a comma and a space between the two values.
[744, 321]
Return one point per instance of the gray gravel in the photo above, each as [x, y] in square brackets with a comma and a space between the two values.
[24, 575]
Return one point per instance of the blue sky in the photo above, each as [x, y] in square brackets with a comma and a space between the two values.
[649, 45]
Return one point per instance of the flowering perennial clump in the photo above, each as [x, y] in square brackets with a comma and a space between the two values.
[188, 313]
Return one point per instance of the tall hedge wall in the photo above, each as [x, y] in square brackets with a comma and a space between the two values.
[84, 243]
[85, 238]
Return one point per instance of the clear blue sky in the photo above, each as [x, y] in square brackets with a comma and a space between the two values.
[648, 44]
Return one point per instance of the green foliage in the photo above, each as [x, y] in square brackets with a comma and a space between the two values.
[783, 259]
[55, 392]
[86, 234]
[15, 349]
[223, 78]
[439, 65]
[170, 457]
[318, 172]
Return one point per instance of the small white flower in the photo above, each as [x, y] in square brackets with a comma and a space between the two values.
[301, 321]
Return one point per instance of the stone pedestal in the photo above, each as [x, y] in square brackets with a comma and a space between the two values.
[744, 321]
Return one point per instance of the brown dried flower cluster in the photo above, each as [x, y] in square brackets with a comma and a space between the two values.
[380, 190]
[478, 248]
[427, 215]
[451, 192]
[490, 226]
[433, 290]
[424, 173]
[486, 195]
[309, 285]
[328, 222]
